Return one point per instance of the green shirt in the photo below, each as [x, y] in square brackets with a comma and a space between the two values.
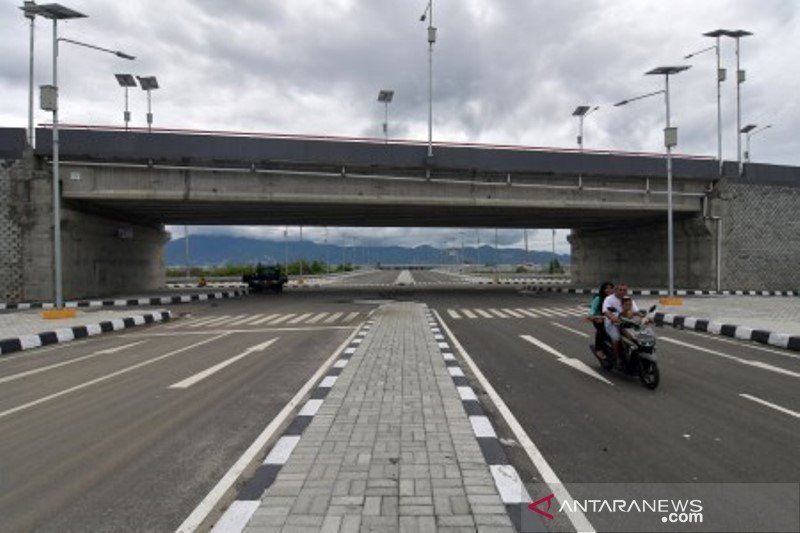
[594, 307]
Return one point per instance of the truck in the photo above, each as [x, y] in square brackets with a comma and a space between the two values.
[266, 277]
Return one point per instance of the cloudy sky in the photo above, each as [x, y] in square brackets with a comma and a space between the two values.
[505, 71]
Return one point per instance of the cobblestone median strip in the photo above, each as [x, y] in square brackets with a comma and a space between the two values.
[156, 300]
[780, 340]
[36, 340]
[385, 445]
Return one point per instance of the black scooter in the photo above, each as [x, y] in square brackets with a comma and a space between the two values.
[638, 345]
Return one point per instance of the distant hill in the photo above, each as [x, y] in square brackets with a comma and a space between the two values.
[216, 250]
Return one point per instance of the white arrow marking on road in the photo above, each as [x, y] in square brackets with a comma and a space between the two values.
[772, 405]
[748, 362]
[577, 364]
[188, 382]
[64, 363]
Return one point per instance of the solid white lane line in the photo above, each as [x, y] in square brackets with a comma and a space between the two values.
[481, 427]
[512, 313]
[453, 313]
[575, 331]
[21, 375]
[577, 364]
[498, 313]
[771, 405]
[349, 317]
[578, 519]
[300, 318]
[469, 314]
[752, 346]
[209, 503]
[315, 319]
[483, 313]
[200, 376]
[748, 362]
[332, 318]
[527, 313]
[107, 377]
[265, 319]
[280, 319]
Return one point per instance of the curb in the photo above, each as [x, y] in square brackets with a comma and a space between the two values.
[36, 340]
[533, 289]
[157, 300]
[213, 285]
[241, 510]
[509, 485]
[779, 340]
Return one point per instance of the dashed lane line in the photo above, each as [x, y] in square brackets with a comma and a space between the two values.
[575, 331]
[771, 405]
[748, 362]
[200, 376]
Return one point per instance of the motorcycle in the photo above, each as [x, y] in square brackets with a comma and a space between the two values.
[638, 350]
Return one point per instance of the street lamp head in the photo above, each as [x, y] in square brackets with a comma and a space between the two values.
[148, 83]
[667, 70]
[580, 111]
[737, 33]
[125, 80]
[748, 128]
[29, 9]
[716, 33]
[58, 12]
[622, 103]
[123, 55]
[385, 95]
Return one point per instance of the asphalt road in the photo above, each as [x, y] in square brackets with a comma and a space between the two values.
[101, 442]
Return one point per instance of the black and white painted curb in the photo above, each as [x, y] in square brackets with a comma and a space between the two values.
[156, 300]
[512, 491]
[780, 340]
[237, 516]
[211, 285]
[662, 292]
[36, 340]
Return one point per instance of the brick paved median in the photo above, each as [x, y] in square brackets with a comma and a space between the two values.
[390, 449]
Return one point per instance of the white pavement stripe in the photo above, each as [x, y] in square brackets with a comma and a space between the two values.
[349, 317]
[498, 313]
[98, 353]
[331, 319]
[221, 320]
[453, 314]
[483, 313]
[509, 484]
[300, 318]
[448, 356]
[185, 322]
[577, 364]
[310, 408]
[212, 499]
[341, 363]
[202, 321]
[30, 341]
[236, 517]
[106, 377]
[578, 519]
[328, 382]
[512, 313]
[282, 450]
[575, 331]
[200, 376]
[281, 318]
[537, 313]
[527, 313]
[771, 405]
[466, 393]
[553, 311]
[455, 371]
[246, 320]
[748, 362]
[317, 318]
[265, 319]
[481, 427]
[469, 314]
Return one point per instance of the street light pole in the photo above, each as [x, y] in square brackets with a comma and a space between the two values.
[721, 76]
[740, 78]
[431, 40]
[29, 9]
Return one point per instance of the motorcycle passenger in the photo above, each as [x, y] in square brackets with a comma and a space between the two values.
[596, 316]
[612, 318]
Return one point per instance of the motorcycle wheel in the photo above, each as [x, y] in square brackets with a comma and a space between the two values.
[648, 374]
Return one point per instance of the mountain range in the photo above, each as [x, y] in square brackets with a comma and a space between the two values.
[217, 250]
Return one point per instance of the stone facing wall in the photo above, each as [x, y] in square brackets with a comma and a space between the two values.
[10, 235]
[761, 238]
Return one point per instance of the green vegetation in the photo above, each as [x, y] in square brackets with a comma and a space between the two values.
[309, 268]
[555, 267]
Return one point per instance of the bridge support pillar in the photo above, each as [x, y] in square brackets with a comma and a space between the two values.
[101, 255]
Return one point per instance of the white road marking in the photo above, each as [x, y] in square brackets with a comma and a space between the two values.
[753, 345]
[180, 323]
[98, 353]
[315, 319]
[223, 321]
[349, 317]
[265, 319]
[280, 319]
[245, 320]
[107, 377]
[203, 321]
[578, 519]
[469, 314]
[748, 362]
[771, 405]
[483, 313]
[537, 313]
[453, 313]
[528, 313]
[332, 318]
[512, 313]
[498, 313]
[235, 518]
[210, 502]
[509, 485]
[481, 427]
[577, 364]
[575, 331]
[200, 376]
[300, 318]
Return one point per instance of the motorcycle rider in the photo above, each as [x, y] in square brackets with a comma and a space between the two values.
[612, 318]
[596, 316]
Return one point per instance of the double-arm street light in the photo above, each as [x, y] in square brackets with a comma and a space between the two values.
[750, 130]
[49, 96]
[582, 111]
[431, 39]
[385, 96]
[670, 140]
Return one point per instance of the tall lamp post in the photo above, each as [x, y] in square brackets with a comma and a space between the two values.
[431, 40]
[670, 140]
[385, 96]
[582, 111]
[740, 78]
[148, 83]
[750, 130]
[49, 96]
[126, 81]
[30, 9]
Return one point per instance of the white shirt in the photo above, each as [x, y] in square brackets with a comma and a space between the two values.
[616, 303]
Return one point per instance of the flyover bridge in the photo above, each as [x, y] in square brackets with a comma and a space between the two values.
[120, 188]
